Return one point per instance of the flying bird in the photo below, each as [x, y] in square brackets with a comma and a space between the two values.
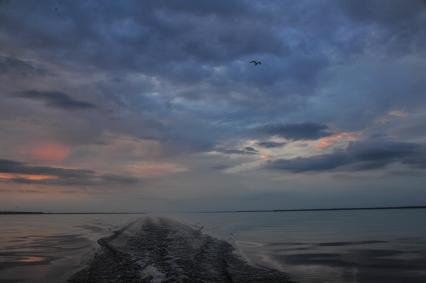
[255, 62]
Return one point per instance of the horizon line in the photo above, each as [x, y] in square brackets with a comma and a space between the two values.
[319, 209]
[234, 211]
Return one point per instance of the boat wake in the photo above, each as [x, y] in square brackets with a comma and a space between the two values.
[162, 250]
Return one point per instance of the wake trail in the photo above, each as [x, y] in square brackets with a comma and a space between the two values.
[156, 249]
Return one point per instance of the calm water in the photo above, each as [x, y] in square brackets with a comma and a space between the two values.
[328, 246]
[48, 248]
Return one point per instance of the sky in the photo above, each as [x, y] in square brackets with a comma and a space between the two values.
[154, 105]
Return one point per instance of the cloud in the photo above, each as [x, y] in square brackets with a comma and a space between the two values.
[177, 74]
[336, 139]
[20, 172]
[296, 131]
[50, 152]
[271, 144]
[10, 66]
[248, 150]
[57, 99]
[359, 156]
[155, 169]
[11, 166]
[392, 13]
[166, 63]
[149, 31]
[119, 179]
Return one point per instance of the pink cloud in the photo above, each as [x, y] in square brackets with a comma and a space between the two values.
[50, 152]
[343, 137]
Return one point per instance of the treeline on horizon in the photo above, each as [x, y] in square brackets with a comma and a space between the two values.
[233, 211]
[21, 212]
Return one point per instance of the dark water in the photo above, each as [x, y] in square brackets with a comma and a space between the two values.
[49, 248]
[329, 246]
[326, 246]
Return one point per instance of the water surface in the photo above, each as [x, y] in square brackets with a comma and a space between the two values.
[367, 246]
[49, 248]
[321, 246]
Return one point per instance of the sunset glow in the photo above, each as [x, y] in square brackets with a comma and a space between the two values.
[50, 152]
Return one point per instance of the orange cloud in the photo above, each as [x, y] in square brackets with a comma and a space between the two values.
[10, 176]
[50, 152]
[335, 139]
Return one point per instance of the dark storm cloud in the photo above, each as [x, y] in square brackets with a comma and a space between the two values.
[57, 99]
[61, 176]
[192, 51]
[178, 72]
[271, 144]
[141, 34]
[297, 131]
[358, 157]
[198, 50]
[179, 43]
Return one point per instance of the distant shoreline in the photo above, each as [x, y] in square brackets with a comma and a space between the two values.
[232, 211]
[47, 213]
[319, 209]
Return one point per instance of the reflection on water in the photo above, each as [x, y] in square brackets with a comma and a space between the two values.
[31, 259]
[48, 248]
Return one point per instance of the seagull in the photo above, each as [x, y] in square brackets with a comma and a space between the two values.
[255, 62]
